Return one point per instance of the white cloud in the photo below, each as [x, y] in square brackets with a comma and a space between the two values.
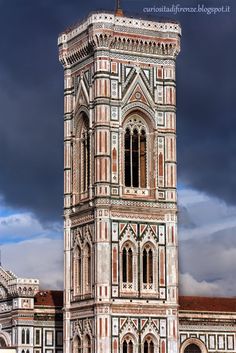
[29, 249]
[189, 197]
[19, 225]
[208, 214]
[40, 258]
[190, 286]
[207, 251]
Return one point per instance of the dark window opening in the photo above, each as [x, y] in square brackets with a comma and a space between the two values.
[124, 265]
[135, 157]
[127, 265]
[127, 158]
[192, 348]
[147, 266]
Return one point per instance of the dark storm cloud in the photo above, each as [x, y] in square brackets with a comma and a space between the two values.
[31, 100]
[206, 94]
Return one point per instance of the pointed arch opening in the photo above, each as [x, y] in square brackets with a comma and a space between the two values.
[149, 344]
[27, 336]
[87, 268]
[81, 158]
[128, 345]
[127, 263]
[135, 153]
[147, 259]
[23, 336]
[77, 345]
[149, 272]
[85, 155]
[77, 270]
[87, 344]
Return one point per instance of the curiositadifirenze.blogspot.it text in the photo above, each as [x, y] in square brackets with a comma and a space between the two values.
[177, 8]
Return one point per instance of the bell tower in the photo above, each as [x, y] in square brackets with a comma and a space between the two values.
[120, 205]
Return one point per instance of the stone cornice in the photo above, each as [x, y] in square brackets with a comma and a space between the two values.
[105, 31]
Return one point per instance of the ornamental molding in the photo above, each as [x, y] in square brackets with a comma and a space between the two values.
[81, 220]
[106, 21]
[129, 203]
[207, 328]
[101, 38]
[136, 105]
[137, 216]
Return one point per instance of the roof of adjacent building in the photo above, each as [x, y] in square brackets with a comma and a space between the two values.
[49, 298]
[54, 298]
[188, 303]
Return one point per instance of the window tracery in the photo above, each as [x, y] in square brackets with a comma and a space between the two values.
[147, 260]
[128, 345]
[77, 347]
[87, 268]
[148, 346]
[87, 344]
[85, 156]
[81, 159]
[128, 266]
[77, 273]
[135, 148]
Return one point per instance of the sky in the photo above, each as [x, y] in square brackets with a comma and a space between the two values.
[31, 139]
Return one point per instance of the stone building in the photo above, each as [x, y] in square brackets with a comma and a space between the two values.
[120, 204]
[30, 319]
[207, 324]
[121, 259]
[121, 245]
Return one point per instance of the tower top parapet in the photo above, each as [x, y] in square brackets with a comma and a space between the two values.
[112, 21]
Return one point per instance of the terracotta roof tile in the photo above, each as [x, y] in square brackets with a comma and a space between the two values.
[49, 298]
[207, 304]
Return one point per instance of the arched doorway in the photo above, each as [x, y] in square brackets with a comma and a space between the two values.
[2, 343]
[193, 345]
[192, 348]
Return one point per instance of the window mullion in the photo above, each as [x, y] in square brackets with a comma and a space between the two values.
[86, 163]
[127, 266]
[139, 161]
[131, 158]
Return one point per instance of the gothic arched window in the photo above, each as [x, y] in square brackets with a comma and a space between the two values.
[192, 348]
[147, 265]
[128, 346]
[23, 336]
[77, 346]
[87, 268]
[85, 155]
[27, 336]
[127, 264]
[148, 346]
[87, 344]
[77, 270]
[135, 142]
